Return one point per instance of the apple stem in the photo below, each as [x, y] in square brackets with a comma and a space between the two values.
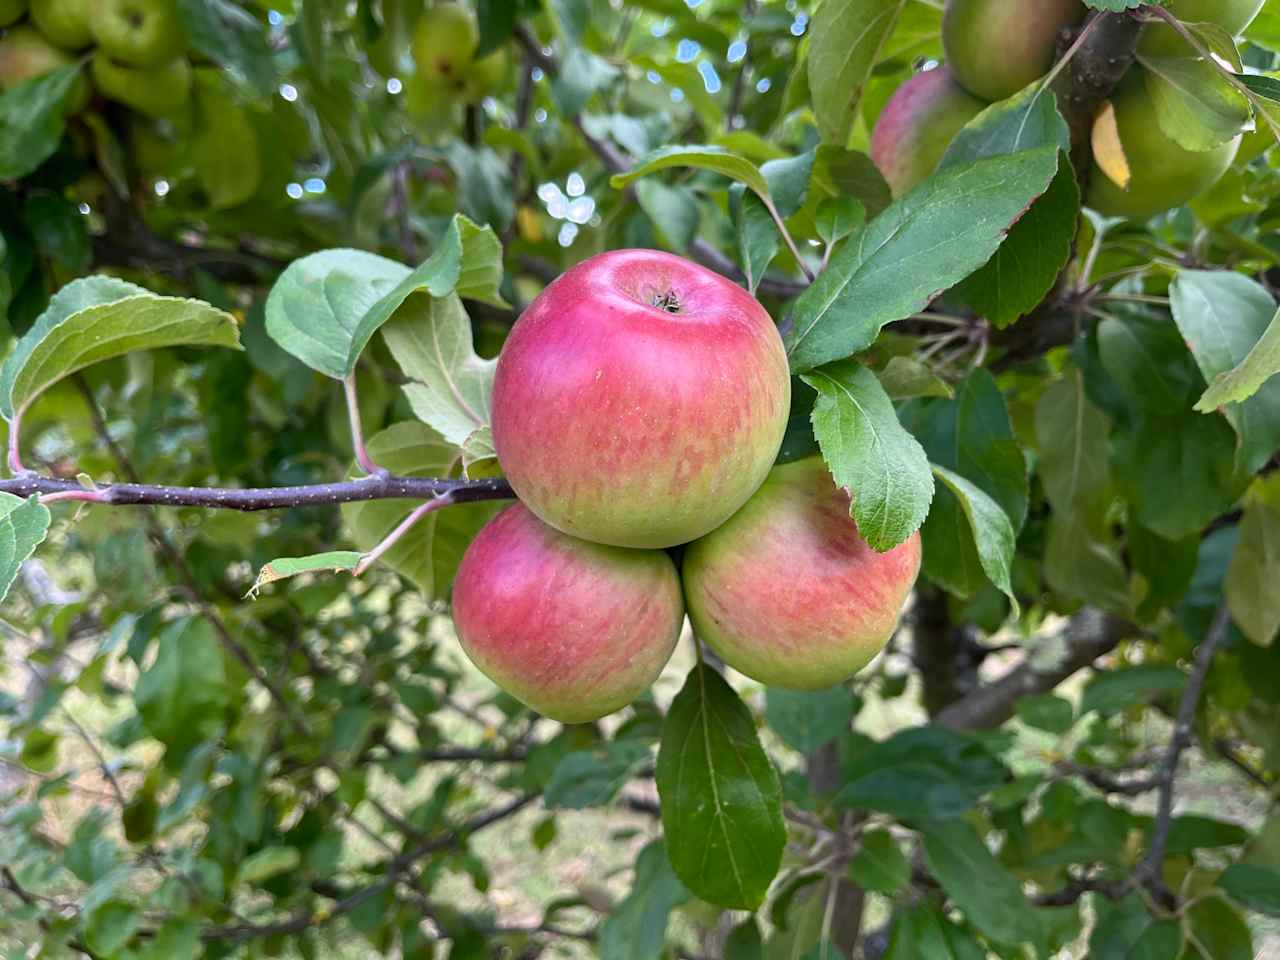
[372, 557]
[357, 431]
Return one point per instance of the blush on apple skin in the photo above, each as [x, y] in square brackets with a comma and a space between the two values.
[575, 630]
[788, 593]
[640, 400]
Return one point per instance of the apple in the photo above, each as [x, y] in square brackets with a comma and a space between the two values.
[640, 400]
[788, 593]
[485, 76]
[997, 47]
[1162, 174]
[575, 630]
[26, 54]
[64, 22]
[138, 33]
[916, 126]
[11, 11]
[1161, 40]
[444, 44]
[156, 91]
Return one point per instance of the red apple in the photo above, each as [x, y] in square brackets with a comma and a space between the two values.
[575, 630]
[640, 400]
[787, 591]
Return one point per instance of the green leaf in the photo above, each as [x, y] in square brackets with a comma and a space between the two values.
[923, 772]
[744, 941]
[989, 531]
[1254, 888]
[637, 928]
[673, 211]
[1123, 925]
[1219, 932]
[716, 159]
[267, 863]
[1112, 690]
[883, 467]
[429, 554]
[284, 567]
[845, 41]
[1244, 379]
[1195, 105]
[23, 526]
[924, 243]
[806, 720]
[176, 939]
[1255, 567]
[839, 217]
[182, 697]
[230, 176]
[229, 35]
[98, 318]
[905, 378]
[1046, 711]
[110, 927]
[721, 797]
[988, 894]
[788, 179]
[451, 387]
[33, 116]
[1222, 315]
[880, 865]
[922, 931]
[1166, 565]
[485, 191]
[1028, 119]
[592, 778]
[758, 238]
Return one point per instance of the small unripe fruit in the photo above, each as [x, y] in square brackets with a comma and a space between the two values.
[788, 593]
[997, 47]
[25, 54]
[444, 44]
[640, 400]
[916, 126]
[1162, 174]
[1161, 40]
[138, 33]
[156, 91]
[64, 22]
[574, 630]
[11, 11]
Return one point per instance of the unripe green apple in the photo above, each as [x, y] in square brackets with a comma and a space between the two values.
[138, 33]
[640, 400]
[788, 593]
[25, 54]
[156, 91]
[916, 125]
[1161, 40]
[575, 630]
[997, 47]
[1162, 174]
[64, 22]
[485, 76]
[11, 11]
[444, 44]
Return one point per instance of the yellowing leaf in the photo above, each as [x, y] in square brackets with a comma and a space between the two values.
[1108, 151]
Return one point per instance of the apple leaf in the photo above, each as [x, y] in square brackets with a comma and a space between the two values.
[721, 796]
[232, 37]
[23, 526]
[1223, 315]
[1255, 566]
[280, 569]
[883, 467]
[97, 318]
[1195, 105]
[637, 927]
[923, 244]
[716, 159]
[1242, 381]
[989, 534]
[845, 42]
[451, 386]
[429, 554]
[229, 177]
[325, 307]
[33, 115]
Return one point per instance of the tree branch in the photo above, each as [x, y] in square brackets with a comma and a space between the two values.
[1089, 635]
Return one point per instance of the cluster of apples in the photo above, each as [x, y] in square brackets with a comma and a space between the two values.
[639, 404]
[138, 57]
[444, 44]
[994, 48]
